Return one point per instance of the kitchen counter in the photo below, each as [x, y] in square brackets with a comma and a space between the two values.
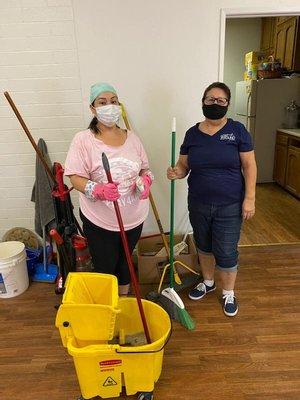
[293, 132]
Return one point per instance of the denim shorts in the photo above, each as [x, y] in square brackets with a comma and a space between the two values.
[217, 231]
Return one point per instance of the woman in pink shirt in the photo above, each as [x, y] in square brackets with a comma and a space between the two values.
[132, 180]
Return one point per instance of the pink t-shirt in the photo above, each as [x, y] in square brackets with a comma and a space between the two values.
[84, 158]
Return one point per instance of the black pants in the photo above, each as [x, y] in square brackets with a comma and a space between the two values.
[107, 250]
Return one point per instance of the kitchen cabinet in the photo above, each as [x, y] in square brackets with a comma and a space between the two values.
[287, 162]
[280, 164]
[287, 43]
[293, 168]
[279, 20]
[280, 37]
[268, 28]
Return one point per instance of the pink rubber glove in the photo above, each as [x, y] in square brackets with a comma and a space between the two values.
[144, 181]
[106, 191]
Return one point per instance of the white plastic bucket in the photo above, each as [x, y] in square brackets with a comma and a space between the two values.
[13, 270]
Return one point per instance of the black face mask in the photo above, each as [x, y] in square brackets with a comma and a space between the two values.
[214, 111]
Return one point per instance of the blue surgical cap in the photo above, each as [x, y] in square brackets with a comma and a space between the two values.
[99, 88]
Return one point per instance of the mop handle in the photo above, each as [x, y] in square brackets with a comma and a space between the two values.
[37, 150]
[26, 130]
[173, 135]
[127, 252]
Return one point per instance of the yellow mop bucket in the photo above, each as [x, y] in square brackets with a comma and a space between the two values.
[102, 369]
[89, 307]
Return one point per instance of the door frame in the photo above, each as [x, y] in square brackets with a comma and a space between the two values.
[247, 12]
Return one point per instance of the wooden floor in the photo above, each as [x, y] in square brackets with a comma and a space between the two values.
[254, 356]
[277, 218]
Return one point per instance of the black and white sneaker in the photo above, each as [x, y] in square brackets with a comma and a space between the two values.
[200, 291]
[230, 305]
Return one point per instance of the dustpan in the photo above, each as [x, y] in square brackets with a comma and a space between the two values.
[45, 272]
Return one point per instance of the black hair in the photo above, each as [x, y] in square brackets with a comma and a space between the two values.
[218, 85]
[93, 124]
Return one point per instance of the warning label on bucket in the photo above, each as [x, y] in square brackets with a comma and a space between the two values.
[110, 363]
[109, 382]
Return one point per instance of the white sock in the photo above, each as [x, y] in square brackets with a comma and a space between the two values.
[228, 292]
[208, 282]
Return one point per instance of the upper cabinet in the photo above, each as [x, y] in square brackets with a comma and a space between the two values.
[287, 40]
[281, 38]
[279, 20]
[268, 35]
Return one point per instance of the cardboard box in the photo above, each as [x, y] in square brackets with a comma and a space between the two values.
[253, 57]
[150, 267]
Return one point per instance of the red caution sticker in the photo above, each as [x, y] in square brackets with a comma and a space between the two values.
[110, 363]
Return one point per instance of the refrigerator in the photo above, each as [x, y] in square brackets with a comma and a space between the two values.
[260, 106]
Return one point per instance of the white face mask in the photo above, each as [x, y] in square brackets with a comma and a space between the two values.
[109, 115]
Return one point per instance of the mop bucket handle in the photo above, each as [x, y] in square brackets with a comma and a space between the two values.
[151, 351]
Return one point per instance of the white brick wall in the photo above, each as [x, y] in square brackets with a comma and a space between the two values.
[39, 68]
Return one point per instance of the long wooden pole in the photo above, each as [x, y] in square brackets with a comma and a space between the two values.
[37, 150]
[127, 252]
[153, 205]
[26, 130]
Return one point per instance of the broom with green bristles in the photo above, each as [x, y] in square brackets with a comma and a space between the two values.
[175, 301]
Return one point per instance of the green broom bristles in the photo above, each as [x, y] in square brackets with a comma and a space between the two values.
[176, 313]
[185, 319]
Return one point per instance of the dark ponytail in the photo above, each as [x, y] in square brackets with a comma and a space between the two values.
[93, 125]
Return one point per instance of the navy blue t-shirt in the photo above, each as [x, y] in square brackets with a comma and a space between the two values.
[214, 161]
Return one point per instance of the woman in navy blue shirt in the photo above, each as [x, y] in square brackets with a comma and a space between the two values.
[217, 155]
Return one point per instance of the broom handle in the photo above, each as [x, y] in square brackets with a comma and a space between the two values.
[26, 130]
[172, 208]
[153, 205]
[161, 231]
[127, 252]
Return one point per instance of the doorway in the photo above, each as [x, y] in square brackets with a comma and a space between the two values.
[277, 219]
